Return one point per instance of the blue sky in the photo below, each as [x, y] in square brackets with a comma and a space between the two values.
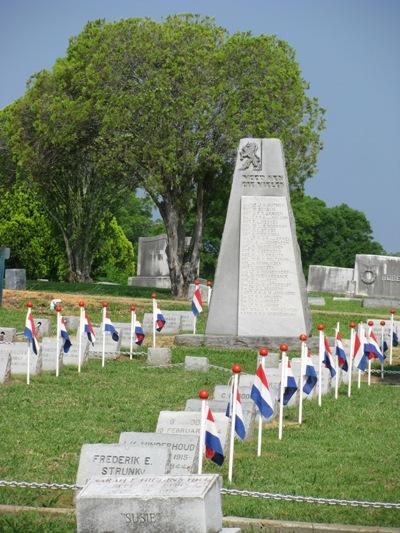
[348, 51]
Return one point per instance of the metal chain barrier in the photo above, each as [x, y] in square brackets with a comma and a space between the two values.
[232, 492]
[375, 371]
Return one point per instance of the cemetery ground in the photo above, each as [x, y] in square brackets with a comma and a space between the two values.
[346, 449]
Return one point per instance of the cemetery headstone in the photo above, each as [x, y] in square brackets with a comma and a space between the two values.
[151, 504]
[112, 348]
[377, 276]
[15, 279]
[4, 255]
[203, 291]
[323, 278]
[389, 303]
[43, 327]
[71, 358]
[173, 323]
[18, 351]
[125, 328]
[5, 367]
[196, 364]
[49, 348]
[316, 300]
[71, 323]
[7, 334]
[120, 460]
[259, 287]
[158, 356]
[183, 448]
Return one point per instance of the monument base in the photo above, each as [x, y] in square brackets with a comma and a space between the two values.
[159, 282]
[237, 342]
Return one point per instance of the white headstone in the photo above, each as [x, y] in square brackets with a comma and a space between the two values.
[5, 367]
[49, 349]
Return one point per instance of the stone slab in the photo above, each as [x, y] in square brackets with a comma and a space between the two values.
[15, 279]
[71, 323]
[196, 364]
[71, 358]
[120, 460]
[345, 299]
[43, 326]
[158, 504]
[7, 334]
[172, 324]
[157, 282]
[112, 348]
[188, 423]
[377, 328]
[18, 351]
[184, 448]
[314, 300]
[152, 256]
[377, 276]
[240, 343]
[5, 367]
[323, 278]
[159, 356]
[125, 328]
[203, 291]
[49, 349]
[381, 302]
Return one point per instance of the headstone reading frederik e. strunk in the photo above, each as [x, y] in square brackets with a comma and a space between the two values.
[259, 289]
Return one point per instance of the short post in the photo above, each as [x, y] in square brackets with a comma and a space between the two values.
[283, 348]
[320, 328]
[392, 313]
[203, 395]
[133, 325]
[382, 323]
[263, 354]
[4, 254]
[28, 355]
[236, 371]
[370, 324]
[81, 320]
[58, 310]
[352, 326]
[303, 355]
[103, 349]
[209, 291]
[154, 296]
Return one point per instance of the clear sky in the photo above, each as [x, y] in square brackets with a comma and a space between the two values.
[347, 49]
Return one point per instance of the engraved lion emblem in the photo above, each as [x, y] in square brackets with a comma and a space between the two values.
[249, 156]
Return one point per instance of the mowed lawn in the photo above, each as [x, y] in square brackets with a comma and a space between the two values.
[349, 448]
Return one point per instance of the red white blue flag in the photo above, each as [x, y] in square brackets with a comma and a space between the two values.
[197, 303]
[160, 320]
[290, 384]
[240, 428]
[310, 374]
[109, 326]
[30, 332]
[64, 335]
[328, 359]
[139, 335]
[214, 449]
[341, 354]
[261, 395]
[360, 359]
[88, 329]
[371, 348]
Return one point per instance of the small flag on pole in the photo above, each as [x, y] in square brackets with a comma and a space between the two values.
[109, 326]
[290, 385]
[395, 339]
[239, 419]
[341, 354]
[310, 374]
[212, 441]
[328, 359]
[65, 336]
[260, 393]
[88, 329]
[160, 320]
[30, 331]
[360, 358]
[372, 347]
[139, 335]
[197, 302]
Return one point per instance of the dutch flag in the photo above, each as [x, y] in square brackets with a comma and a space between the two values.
[197, 303]
[371, 348]
[109, 326]
[239, 419]
[360, 359]
[310, 374]
[30, 332]
[328, 359]
[290, 385]
[139, 335]
[341, 354]
[160, 320]
[88, 329]
[261, 395]
[64, 335]
[212, 441]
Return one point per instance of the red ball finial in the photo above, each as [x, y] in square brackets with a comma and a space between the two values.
[370, 323]
[382, 322]
[203, 394]
[352, 324]
[236, 369]
[196, 282]
[209, 283]
[263, 352]
[132, 308]
[284, 347]
[58, 308]
[393, 311]
[303, 337]
[29, 304]
[104, 304]
[81, 304]
[321, 327]
[153, 295]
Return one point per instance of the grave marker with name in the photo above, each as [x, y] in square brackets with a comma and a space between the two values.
[49, 348]
[7, 334]
[377, 276]
[18, 351]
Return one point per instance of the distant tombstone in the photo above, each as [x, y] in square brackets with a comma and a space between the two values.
[49, 349]
[43, 326]
[196, 364]
[377, 328]
[203, 291]
[111, 347]
[316, 301]
[5, 367]
[19, 358]
[125, 329]
[4, 255]
[377, 276]
[259, 287]
[156, 504]
[381, 302]
[15, 279]
[172, 324]
[120, 460]
[72, 357]
[71, 323]
[7, 334]
[323, 278]
[183, 448]
[158, 356]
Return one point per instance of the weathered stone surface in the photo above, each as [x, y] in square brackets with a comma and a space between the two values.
[323, 278]
[184, 448]
[158, 282]
[15, 279]
[158, 504]
[259, 287]
[229, 341]
[43, 327]
[377, 276]
[188, 423]
[18, 351]
[5, 367]
[7, 334]
[125, 337]
[196, 364]
[203, 291]
[112, 348]
[71, 358]
[381, 302]
[158, 356]
[172, 324]
[71, 323]
[120, 460]
[314, 300]
[49, 349]
[377, 328]
[152, 256]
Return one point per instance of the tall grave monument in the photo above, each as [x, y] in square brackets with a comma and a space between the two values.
[259, 289]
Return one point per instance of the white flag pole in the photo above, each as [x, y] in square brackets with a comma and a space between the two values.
[28, 353]
[236, 371]
[133, 322]
[361, 334]
[58, 309]
[209, 286]
[351, 355]
[283, 348]
[103, 348]
[303, 355]
[263, 354]
[81, 318]
[203, 395]
[370, 324]
[337, 363]
[320, 328]
[153, 296]
[382, 323]
[392, 312]
[196, 286]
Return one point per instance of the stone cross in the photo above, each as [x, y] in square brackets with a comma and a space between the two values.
[4, 254]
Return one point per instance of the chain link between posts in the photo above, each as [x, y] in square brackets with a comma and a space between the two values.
[232, 492]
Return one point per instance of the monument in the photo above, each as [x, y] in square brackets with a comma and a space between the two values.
[259, 289]
[377, 276]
